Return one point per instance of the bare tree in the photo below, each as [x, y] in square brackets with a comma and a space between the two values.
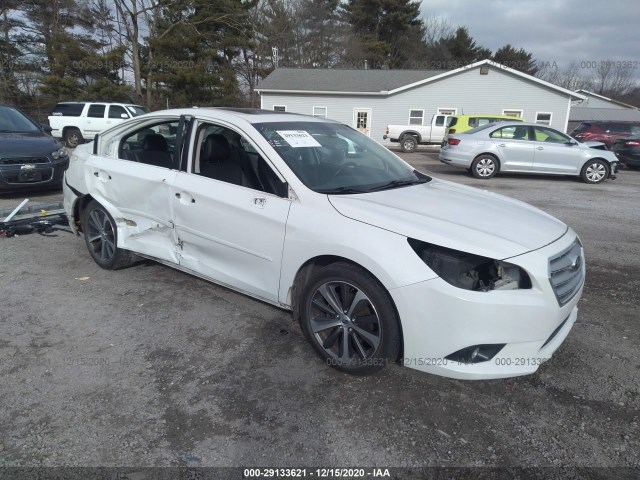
[435, 29]
[569, 77]
[133, 15]
[613, 79]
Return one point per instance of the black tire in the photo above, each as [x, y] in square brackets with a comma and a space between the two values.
[100, 235]
[359, 338]
[594, 171]
[73, 137]
[485, 167]
[408, 143]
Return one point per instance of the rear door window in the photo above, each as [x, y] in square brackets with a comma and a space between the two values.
[96, 111]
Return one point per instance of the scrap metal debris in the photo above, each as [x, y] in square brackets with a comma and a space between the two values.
[41, 219]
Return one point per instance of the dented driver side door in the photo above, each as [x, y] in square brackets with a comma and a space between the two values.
[136, 194]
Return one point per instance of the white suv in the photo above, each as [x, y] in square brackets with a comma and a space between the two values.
[75, 122]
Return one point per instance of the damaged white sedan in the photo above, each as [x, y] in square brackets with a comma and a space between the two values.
[378, 262]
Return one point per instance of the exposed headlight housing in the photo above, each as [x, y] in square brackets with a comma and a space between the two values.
[60, 153]
[469, 271]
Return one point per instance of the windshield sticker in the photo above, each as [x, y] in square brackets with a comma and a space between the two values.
[298, 138]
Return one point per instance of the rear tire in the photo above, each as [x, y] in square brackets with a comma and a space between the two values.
[349, 319]
[101, 237]
[484, 167]
[594, 171]
[73, 137]
[408, 144]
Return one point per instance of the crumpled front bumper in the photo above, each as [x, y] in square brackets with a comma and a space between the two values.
[439, 319]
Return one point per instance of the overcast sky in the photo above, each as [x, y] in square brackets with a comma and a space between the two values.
[552, 30]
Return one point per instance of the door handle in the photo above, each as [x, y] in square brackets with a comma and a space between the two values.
[259, 202]
[502, 145]
[187, 198]
[539, 148]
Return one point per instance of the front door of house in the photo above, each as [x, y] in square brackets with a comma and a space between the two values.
[362, 120]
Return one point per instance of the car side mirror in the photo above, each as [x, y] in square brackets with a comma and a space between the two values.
[45, 128]
[124, 115]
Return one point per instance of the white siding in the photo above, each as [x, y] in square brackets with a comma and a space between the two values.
[467, 91]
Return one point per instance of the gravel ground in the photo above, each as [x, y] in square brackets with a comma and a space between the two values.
[152, 367]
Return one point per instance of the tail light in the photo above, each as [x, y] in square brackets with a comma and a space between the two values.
[452, 130]
[632, 143]
[453, 141]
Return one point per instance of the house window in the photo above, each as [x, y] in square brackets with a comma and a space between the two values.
[544, 118]
[416, 117]
[320, 112]
[447, 111]
[512, 113]
[279, 108]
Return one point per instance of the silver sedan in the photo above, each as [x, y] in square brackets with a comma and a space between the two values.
[528, 148]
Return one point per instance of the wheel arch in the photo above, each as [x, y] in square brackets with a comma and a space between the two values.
[70, 127]
[603, 160]
[79, 205]
[307, 269]
[413, 133]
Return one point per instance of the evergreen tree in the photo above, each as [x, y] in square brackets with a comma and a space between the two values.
[462, 49]
[191, 52]
[386, 33]
[517, 59]
[323, 32]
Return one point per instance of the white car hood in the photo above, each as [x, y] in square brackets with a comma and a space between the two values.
[455, 216]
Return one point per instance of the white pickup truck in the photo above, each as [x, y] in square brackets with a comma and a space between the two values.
[75, 122]
[410, 136]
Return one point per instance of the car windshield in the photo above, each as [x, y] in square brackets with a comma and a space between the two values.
[11, 120]
[583, 127]
[136, 110]
[335, 159]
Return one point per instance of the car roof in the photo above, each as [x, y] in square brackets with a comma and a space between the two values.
[100, 102]
[250, 115]
[520, 124]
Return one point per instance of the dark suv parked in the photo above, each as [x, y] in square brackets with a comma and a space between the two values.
[605, 132]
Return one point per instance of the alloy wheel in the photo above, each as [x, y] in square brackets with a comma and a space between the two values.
[100, 235]
[485, 167]
[344, 322]
[595, 172]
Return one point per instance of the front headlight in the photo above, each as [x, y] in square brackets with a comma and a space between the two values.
[469, 271]
[60, 153]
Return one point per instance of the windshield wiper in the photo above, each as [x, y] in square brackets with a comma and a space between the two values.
[341, 190]
[397, 184]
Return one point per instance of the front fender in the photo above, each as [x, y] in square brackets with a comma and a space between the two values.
[385, 254]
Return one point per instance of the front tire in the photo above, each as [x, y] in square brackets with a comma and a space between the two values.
[408, 144]
[484, 167]
[101, 237]
[349, 319]
[594, 171]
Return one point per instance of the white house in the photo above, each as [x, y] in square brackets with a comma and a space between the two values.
[600, 108]
[374, 99]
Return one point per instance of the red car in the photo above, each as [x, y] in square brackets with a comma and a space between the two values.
[605, 132]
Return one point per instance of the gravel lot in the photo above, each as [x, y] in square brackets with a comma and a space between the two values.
[149, 366]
